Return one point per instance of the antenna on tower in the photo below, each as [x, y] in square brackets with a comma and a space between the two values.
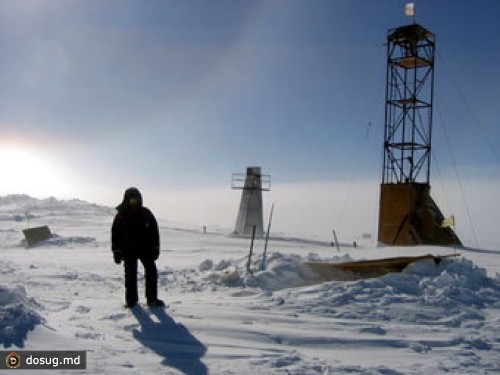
[410, 10]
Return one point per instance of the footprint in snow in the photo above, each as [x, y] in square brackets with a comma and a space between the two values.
[83, 309]
[116, 316]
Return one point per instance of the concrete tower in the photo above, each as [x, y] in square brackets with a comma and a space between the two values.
[408, 215]
[250, 213]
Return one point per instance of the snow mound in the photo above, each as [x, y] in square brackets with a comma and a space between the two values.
[282, 271]
[451, 293]
[66, 242]
[17, 316]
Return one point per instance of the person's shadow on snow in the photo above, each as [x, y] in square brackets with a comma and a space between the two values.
[171, 340]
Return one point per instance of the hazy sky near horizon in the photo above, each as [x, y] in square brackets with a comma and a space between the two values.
[96, 96]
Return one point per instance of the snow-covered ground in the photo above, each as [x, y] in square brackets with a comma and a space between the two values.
[67, 294]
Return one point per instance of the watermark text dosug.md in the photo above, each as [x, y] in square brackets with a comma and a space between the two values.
[43, 360]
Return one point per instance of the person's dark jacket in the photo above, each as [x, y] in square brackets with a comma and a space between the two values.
[134, 232]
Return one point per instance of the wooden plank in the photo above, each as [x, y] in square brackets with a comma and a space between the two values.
[365, 269]
[37, 234]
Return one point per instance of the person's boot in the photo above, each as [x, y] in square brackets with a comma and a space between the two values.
[156, 303]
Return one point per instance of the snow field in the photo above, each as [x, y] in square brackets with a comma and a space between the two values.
[67, 293]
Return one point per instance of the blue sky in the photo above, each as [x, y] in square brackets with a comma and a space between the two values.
[178, 95]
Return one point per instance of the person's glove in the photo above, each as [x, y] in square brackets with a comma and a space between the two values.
[117, 256]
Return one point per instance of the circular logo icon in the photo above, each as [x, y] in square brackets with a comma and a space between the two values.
[13, 360]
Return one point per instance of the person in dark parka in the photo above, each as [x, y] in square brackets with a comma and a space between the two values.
[135, 236]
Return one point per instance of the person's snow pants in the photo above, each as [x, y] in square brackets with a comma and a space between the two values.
[151, 276]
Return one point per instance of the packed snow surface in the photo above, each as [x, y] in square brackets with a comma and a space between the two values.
[67, 294]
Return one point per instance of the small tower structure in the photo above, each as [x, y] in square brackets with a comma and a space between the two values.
[408, 215]
[250, 213]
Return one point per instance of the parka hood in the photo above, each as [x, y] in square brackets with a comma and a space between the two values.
[130, 193]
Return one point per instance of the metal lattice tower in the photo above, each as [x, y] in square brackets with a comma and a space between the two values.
[408, 215]
[408, 108]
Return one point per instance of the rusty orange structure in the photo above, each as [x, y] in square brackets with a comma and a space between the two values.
[407, 214]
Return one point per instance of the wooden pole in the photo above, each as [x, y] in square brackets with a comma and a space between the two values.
[263, 264]
[336, 241]
[251, 250]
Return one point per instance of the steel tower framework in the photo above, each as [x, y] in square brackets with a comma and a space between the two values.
[408, 108]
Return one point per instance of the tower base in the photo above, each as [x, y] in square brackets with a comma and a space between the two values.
[409, 216]
[250, 213]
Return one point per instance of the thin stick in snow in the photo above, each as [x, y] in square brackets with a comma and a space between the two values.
[263, 264]
[251, 250]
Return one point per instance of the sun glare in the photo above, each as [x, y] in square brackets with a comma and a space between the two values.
[26, 170]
